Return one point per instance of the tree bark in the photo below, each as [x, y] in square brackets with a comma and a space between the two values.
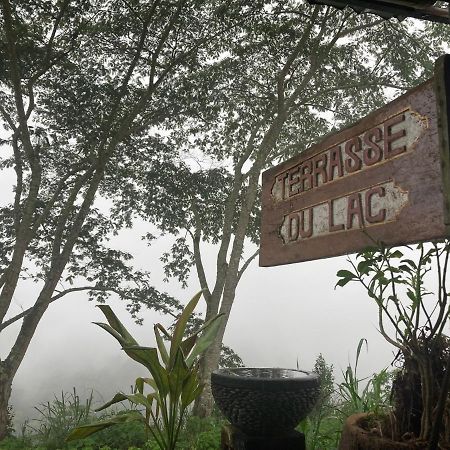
[5, 394]
[204, 404]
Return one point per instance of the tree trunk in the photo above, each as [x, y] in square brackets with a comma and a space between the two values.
[204, 404]
[5, 394]
[210, 360]
[229, 273]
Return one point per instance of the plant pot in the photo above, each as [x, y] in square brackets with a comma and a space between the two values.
[264, 401]
[355, 437]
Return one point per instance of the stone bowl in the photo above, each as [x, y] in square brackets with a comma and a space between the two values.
[265, 401]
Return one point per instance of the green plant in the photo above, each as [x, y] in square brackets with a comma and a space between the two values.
[201, 433]
[58, 417]
[175, 377]
[397, 285]
[373, 397]
[14, 443]
[321, 427]
[325, 436]
[121, 436]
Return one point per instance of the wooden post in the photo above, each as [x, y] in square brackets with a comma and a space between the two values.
[234, 439]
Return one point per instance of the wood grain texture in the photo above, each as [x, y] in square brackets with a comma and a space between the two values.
[412, 134]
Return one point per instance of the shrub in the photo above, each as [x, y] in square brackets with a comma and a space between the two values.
[122, 436]
[59, 416]
[13, 443]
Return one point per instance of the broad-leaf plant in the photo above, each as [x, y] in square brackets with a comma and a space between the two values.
[174, 376]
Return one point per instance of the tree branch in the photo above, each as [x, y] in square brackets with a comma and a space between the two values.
[14, 319]
[61, 185]
[197, 253]
[123, 87]
[65, 212]
[8, 118]
[360, 85]
[18, 168]
[352, 30]
[164, 36]
[23, 236]
[246, 264]
[54, 30]
[281, 79]
[315, 62]
[16, 80]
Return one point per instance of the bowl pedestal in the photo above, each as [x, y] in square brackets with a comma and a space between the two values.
[234, 439]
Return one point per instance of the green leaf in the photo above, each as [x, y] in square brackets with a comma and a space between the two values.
[180, 327]
[163, 331]
[396, 254]
[139, 385]
[137, 399]
[197, 391]
[364, 267]
[116, 324]
[342, 282]
[142, 357]
[86, 430]
[150, 382]
[148, 356]
[161, 346]
[119, 397]
[368, 252]
[189, 343]
[345, 274]
[358, 351]
[177, 375]
[206, 338]
[190, 388]
[112, 332]
[405, 268]
[410, 262]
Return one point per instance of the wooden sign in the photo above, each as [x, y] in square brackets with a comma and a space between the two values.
[384, 179]
[420, 9]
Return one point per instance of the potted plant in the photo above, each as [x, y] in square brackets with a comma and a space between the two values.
[413, 319]
[174, 380]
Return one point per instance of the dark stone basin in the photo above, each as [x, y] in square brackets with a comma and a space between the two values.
[265, 401]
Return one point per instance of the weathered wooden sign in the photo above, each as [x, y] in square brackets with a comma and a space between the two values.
[384, 179]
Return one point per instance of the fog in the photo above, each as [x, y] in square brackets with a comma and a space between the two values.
[282, 316]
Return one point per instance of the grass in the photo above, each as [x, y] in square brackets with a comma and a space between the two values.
[338, 401]
[55, 418]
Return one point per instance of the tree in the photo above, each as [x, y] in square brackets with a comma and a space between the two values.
[284, 77]
[82, 86]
